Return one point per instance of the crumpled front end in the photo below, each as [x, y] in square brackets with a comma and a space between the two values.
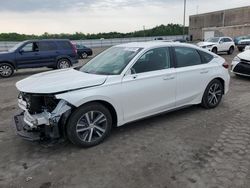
[41, 117]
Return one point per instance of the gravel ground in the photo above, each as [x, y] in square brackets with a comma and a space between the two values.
[192, 147]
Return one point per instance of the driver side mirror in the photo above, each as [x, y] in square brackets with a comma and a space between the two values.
[221, 42]
[21, 51]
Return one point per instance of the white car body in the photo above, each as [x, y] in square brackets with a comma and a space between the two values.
[222, 45]
[133, 96]
[247, 48]
[241, 64]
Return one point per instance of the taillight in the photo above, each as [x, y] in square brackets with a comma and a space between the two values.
[225, 65]
[74, 47]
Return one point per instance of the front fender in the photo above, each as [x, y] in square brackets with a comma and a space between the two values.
[80, 98]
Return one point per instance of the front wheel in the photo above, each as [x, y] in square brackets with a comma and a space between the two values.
[63, 64]
[214, 50]
[6, 70]
[231, 50]
[213, 94]
[89, 125]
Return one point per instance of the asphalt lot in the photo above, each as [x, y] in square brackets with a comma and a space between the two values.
[192, 147]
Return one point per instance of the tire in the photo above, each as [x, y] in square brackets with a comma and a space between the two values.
[231, 50]
[83, 131]
[63, 64]
[6, 70]
[214, 50]
[84, 55]
[212, 95]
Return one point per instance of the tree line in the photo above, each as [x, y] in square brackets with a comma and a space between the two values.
[162, 30]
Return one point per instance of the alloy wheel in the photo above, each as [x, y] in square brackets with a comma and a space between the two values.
[5, 71]
[64, 64]
[214, 94]
[84, 55]
[91, 126]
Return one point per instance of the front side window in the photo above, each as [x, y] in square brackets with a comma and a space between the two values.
[187, 57]
[111, 61]
[152, 60]
[30, 47]
[214, 39]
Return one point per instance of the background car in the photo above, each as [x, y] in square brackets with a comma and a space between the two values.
[242, 44]
[52, 53]
[125, 83]
[218, 44]
[241, 64]
[247, 48]
[83, 51]
[239, 38]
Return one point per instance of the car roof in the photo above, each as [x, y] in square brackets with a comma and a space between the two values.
[46, 40]
[153, 44]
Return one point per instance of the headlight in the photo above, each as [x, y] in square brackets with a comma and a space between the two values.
[209, 46]
[236, 59]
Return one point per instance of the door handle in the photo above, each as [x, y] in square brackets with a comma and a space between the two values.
[204, 71]
[169, 77]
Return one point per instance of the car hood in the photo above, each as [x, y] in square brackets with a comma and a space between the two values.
[245, 55]
[59, 81]
[205, 43]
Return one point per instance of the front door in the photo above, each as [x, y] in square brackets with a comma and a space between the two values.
[28, 56]
[150, 87]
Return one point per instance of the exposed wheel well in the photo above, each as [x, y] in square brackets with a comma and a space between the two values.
[110, 108]
[222, 82]
[10, 63]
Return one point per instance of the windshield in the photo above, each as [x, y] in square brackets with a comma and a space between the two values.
[215, 39]
[111, 61]
[16, 47]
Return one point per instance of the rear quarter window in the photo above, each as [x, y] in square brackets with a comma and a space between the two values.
[205, 57]
[64, 45]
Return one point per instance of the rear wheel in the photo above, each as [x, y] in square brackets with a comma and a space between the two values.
[213, 94]
[89, 125]
[231, 50]
[6, 70]
[84, 55]
[63, 64]
[214, 50]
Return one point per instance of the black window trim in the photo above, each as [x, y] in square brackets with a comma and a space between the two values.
[175, 59]
[172, 58]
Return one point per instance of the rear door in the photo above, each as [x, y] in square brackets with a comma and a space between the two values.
[48, 53]
[193, 74]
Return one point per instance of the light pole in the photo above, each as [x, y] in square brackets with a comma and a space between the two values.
[184, 19]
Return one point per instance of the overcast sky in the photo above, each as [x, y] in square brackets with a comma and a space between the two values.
[93, 16]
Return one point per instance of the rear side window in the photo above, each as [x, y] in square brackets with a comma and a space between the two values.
[187, 57]
[47, 46]
[65, 45]
[206, 57]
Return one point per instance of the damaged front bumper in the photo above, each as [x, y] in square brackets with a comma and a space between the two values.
[45, 125]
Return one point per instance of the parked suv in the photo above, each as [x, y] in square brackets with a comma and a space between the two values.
[218, 44]
[56, 54]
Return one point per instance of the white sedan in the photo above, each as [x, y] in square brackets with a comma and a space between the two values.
[241, 64]
[125, 83]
